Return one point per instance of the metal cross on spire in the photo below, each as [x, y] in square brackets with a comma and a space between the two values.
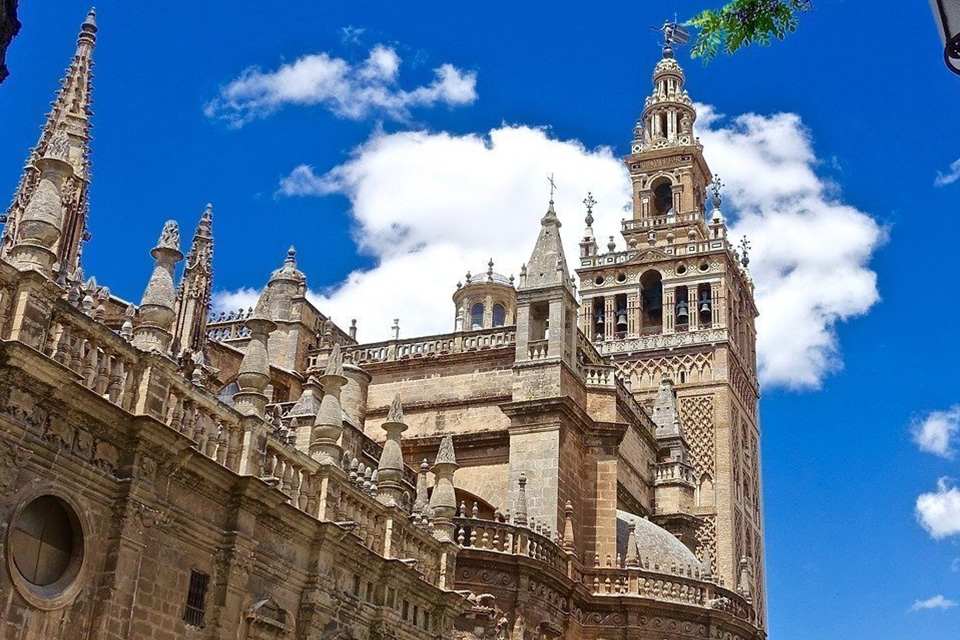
[553, 186]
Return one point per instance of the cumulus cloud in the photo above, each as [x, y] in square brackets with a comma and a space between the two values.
[352, 91]
[939, 511]
[239, 300]
[937, 431]
[429, 206]
[810, 262]
[936, 602]
[951, 176]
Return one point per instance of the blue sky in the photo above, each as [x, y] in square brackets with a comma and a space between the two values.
[399, 146]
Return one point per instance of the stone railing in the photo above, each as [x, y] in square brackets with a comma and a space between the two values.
[228, 325]
[662, 341]
[666, 584]
[538, 349]
[682, 586]
[674, 471]
[509, 538]
[104, 362]
[428, 347]
[599, 376]
[587, 349]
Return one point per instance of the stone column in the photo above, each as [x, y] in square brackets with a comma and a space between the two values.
[390, 468]
[325, 438]
[154, 332]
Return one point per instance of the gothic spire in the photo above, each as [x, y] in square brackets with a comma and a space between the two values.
[548, 265]
[196, 285]
[70, 114]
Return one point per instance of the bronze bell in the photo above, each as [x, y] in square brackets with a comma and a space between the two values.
[682, 309]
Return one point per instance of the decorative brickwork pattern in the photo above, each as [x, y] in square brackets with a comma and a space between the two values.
[645, 374]
[697, 418]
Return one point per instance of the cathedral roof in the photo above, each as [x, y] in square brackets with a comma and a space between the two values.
[657, 546]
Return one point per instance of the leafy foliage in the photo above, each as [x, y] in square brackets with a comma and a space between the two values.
[743, 22]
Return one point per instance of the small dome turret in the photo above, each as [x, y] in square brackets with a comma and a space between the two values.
[485, 300]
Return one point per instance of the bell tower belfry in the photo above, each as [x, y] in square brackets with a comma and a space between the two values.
[676, 303]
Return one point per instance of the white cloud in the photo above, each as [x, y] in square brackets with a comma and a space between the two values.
[950, 177]
[240, 300]
[811, 252]
[936, 602]
[429, 206]
[352, 91]
[939, 512]
[432, 206]
[937, 432]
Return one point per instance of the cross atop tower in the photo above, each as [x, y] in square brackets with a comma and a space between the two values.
[553, 186]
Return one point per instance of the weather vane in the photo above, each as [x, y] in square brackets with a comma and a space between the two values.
[673, 34]
[716, 185]
[745, 252]
[553, 186]
[590, 202]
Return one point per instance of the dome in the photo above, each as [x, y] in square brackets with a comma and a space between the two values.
[657, 546]
[490, 276]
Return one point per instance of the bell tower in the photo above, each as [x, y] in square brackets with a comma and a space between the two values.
[676, 303]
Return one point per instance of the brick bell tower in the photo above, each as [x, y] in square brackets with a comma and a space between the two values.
[676, 304]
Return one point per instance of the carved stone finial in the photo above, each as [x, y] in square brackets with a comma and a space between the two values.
[170, 236]
[334, 362]
[395, 414]
[521, 505]
[443, 502]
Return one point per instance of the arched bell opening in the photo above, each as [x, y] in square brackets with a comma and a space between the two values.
[662, 198]
[620, 315]
[599, 318]
[651, 294]
[704, 305]
[681, 309]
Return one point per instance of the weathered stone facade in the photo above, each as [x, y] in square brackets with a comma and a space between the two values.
[559, 466]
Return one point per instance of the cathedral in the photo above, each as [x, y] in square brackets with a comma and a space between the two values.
[578, 458]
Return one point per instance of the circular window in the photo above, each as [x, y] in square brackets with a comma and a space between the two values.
[681, 269]
[46, 550]
[598, 281]
[704, 266]
[621, 277]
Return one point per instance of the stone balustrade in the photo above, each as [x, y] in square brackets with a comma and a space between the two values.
[674, 470]
[680, 585]
[666, 584]
[510, 538]
[538, 349]
[104, 362]
[427, 347]
[599, 376]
